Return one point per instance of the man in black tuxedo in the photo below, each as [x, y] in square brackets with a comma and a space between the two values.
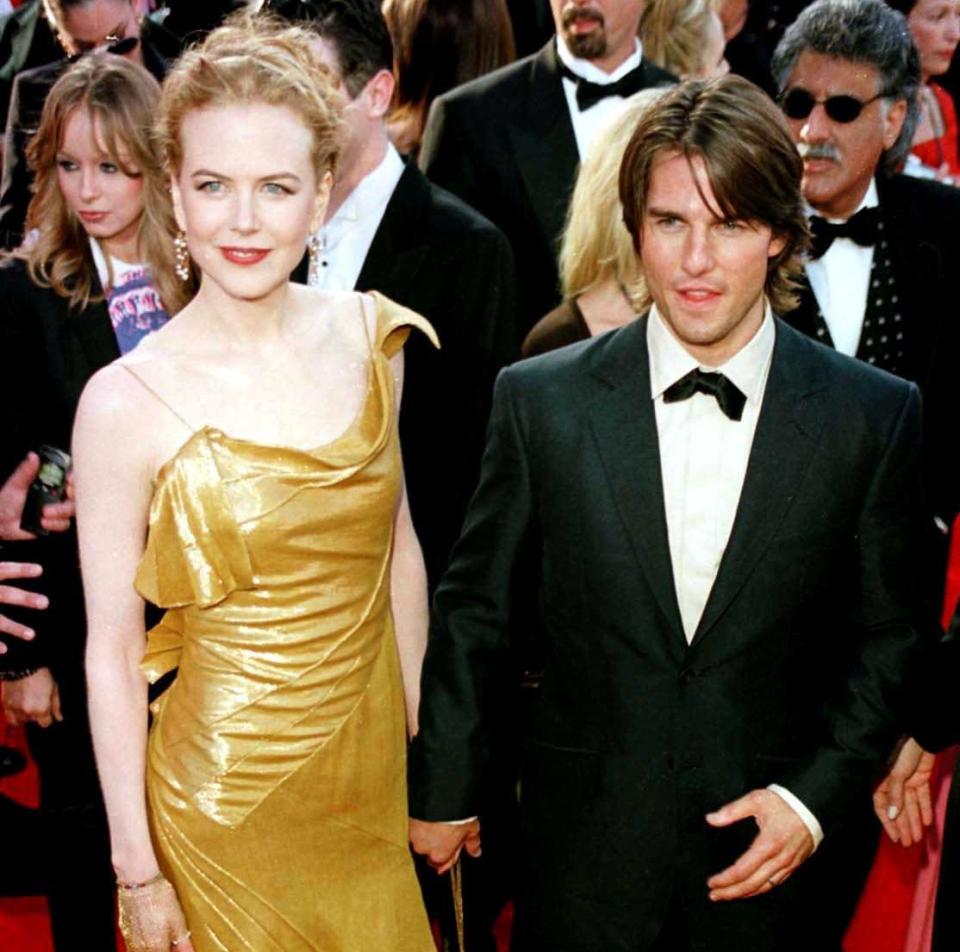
[509, 143]
[879, 284]
[389, 229]
[724, 517]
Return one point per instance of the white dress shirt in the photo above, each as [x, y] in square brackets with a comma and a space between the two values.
[587, 124]
[703, 462]
[840, 281]
[344, 240]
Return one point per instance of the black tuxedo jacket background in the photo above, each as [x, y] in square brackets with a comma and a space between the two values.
[441, 259]
[794, 676]
[504, 143]
[922, 227]
[47, 354]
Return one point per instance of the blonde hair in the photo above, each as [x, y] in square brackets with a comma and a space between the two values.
[252, 58]
[673, 32]
[596, 245]
[121, 98]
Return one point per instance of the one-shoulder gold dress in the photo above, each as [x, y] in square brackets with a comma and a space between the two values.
[276, 761]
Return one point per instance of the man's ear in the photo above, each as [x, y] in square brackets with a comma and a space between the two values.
[177, 197]
[893, 122]
[379, 93]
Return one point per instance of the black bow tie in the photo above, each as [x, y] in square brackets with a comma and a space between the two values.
[863, 228]
[728, 395]
[589, 94]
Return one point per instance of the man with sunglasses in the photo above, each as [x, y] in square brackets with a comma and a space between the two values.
[885, 247]
[81, 26]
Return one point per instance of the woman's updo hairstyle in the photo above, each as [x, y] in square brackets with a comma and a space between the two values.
[252, 59]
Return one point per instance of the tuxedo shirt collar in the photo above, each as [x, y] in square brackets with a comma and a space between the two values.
[373, 191]
[586, 70]
[748, 368]
[870, 200]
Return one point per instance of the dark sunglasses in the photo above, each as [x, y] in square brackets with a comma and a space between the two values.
[118, 47]
[798, 104]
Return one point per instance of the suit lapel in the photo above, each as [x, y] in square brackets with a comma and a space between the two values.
[397, 253]
[625, 432]
[790, 421]
[545, 145]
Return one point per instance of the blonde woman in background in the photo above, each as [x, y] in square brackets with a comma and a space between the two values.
[684, 37]
[254, 490]
[602, 287]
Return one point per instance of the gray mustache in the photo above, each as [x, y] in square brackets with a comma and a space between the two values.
[818, 150]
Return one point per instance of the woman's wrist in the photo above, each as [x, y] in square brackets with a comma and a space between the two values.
[134, 870]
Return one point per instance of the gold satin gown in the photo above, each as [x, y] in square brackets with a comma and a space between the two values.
[276, 774]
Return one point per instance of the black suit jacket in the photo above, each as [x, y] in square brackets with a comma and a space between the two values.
[922, 228]
[438, 257]
[47, 354]
[27, 97]
[504, 143]
[795, 674]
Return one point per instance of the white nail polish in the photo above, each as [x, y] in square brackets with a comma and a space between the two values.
[892, 812]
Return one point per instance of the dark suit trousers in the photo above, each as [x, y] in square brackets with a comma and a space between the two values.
[80, 880]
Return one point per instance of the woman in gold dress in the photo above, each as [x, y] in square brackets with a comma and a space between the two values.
[241, 470]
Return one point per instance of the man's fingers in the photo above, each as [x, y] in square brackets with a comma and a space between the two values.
[55, 709]
[925, 801]
[14, 595]
[14, 570]
[734, 811]
[472, 845]
[21, 478]
[10, 627]
[761, 852]
[762, 879]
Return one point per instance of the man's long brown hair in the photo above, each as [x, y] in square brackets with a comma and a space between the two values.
[751, 162]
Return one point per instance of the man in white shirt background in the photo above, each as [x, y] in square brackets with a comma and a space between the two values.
[509, 143]
[879, 283]
[388, 229]
[722, 514]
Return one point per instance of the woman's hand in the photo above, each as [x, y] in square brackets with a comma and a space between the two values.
[151, 919]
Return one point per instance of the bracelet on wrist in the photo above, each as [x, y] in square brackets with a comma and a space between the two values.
[133, 887]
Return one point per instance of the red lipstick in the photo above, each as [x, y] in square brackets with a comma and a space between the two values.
[244, 256]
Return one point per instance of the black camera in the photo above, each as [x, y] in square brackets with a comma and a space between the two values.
[50, 486]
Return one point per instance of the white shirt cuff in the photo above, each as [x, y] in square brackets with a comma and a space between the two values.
[798, 807]
[469, 819]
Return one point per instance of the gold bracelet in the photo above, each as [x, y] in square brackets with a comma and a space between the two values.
[133, 887]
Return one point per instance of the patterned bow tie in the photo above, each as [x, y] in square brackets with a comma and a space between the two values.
[589, 94]
[862, 228]
[728, 395]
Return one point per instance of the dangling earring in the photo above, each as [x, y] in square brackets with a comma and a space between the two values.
[182, 262]
[313, 249]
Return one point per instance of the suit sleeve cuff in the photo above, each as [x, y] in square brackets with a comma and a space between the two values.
[798, 807]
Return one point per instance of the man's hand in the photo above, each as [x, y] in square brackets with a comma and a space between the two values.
[780, 847]
[13, 494]
[441, 842]
[33, 698]
[902, 801]
[11, 595]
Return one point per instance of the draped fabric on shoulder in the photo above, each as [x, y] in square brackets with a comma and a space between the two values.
[276, 760]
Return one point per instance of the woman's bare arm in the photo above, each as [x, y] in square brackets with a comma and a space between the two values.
[113, 488]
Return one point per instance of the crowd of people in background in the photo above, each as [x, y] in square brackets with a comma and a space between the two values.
[671, 576]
